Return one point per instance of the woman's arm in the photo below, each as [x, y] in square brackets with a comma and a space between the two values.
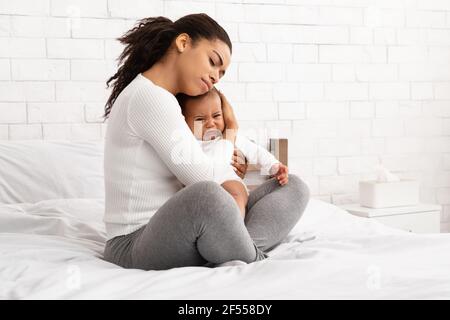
[155, 116]
[231, 124]
[240, 163]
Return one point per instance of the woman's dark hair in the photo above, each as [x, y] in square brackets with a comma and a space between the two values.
[149, 40]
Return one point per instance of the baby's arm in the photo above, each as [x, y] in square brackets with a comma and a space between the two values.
[239, 193]
[255, 154]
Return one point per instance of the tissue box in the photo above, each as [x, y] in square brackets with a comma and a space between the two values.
[374, 194]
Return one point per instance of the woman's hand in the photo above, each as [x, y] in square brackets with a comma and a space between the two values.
[281, 172]
[239, 163]
[231, 125]
[228, 113]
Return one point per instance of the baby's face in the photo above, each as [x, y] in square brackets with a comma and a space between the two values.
[203, 114]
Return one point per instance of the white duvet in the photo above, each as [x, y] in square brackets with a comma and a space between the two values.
[53, 249]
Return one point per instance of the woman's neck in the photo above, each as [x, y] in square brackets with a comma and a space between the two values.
[163, 75]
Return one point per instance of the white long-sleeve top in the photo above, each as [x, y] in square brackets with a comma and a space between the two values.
[254, 153]
[150, 153]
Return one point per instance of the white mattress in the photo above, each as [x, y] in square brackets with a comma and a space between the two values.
[53, 249]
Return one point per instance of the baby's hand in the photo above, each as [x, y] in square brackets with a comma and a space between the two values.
[281, 173]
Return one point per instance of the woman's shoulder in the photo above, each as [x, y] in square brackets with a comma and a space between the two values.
[145, 87]
[149, 101]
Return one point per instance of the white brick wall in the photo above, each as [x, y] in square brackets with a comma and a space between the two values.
[351, 83]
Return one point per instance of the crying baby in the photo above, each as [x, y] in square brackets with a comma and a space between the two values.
[203, 115]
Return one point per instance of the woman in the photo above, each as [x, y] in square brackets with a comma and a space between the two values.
[152, 221]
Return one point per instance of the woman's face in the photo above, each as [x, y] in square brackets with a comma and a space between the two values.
[204, 113]
[201, 66]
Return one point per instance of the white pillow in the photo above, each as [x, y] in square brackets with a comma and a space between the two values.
[36, 170]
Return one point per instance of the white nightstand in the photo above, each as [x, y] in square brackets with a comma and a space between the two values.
[422, 218]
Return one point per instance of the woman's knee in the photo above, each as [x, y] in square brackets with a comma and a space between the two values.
[212, 200]
[299, 197]
[300, 187]
[204, 187]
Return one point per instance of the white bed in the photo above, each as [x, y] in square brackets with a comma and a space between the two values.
[52, 247]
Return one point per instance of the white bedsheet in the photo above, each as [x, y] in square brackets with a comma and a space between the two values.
[53, 249]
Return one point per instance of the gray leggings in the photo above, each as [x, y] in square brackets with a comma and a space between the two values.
[201, 225]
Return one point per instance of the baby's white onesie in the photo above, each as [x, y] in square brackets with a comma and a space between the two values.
[254, 153]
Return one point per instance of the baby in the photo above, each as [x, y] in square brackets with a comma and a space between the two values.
[203, 114]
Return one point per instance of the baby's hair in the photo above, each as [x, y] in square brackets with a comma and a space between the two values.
[183, 98]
